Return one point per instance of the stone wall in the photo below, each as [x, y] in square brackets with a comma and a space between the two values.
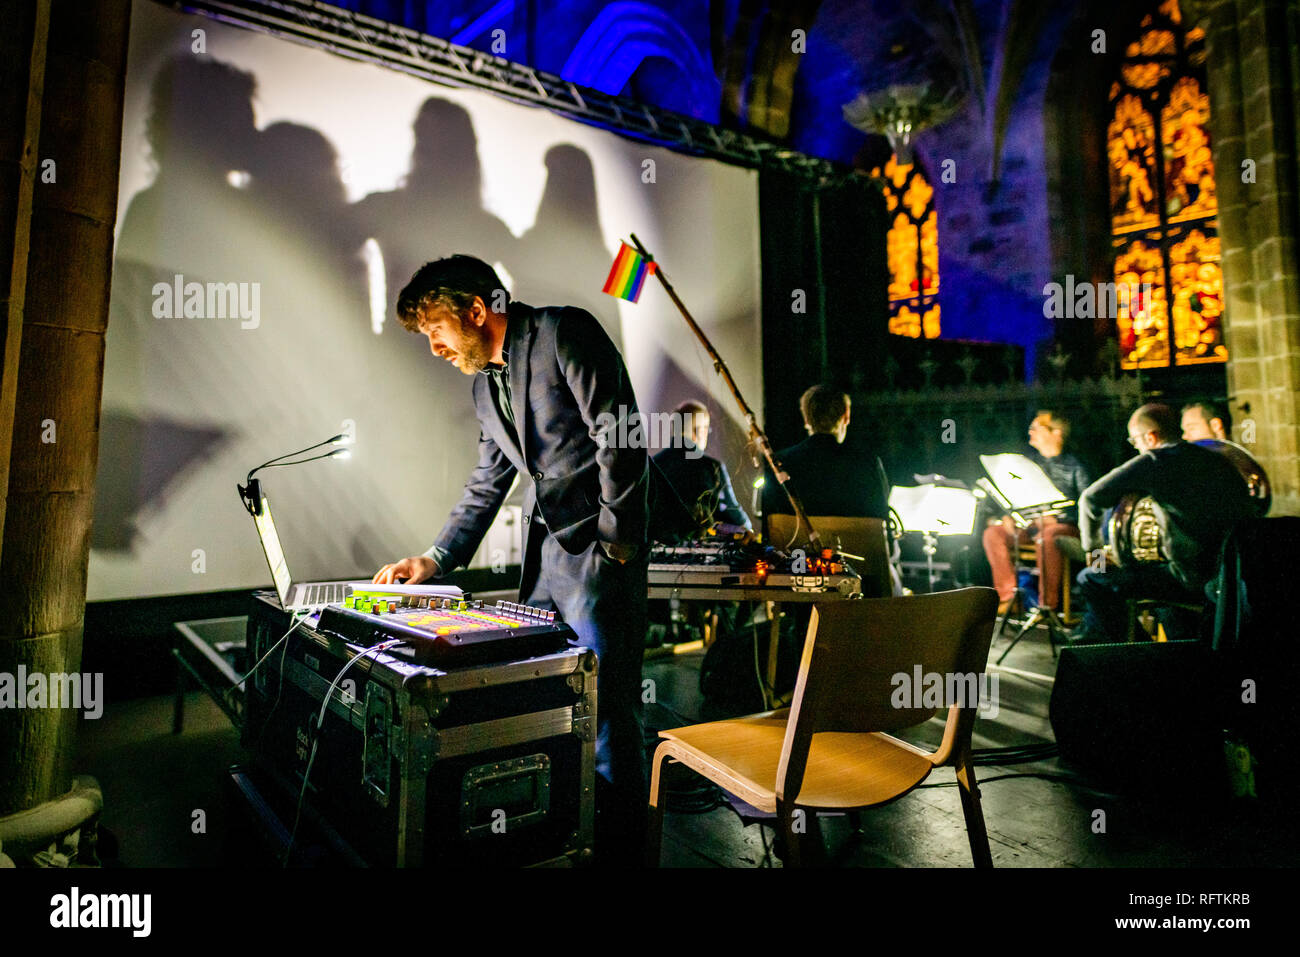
[994, 245]
[1254, 77]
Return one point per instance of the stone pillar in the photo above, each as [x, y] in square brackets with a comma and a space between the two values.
[1254, 85]
[63, 164]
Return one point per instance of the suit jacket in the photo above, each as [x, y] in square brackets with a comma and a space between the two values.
[1201, 491]
[569, 390]
[830, 479]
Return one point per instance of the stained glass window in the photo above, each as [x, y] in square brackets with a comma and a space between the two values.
[1164, 230]
[912, 250]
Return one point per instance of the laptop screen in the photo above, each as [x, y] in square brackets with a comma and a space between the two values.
[274, 553]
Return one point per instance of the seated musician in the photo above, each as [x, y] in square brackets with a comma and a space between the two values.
[691, 495]
[692, 491]
[830, 476]
[1202, 494]
[1048, 433]
[1206, 419]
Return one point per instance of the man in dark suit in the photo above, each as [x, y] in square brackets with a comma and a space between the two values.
[693, 491]
[829, 476]
[1203, 496]
[550, 391]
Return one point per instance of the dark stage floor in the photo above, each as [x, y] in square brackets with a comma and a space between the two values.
[154, 783]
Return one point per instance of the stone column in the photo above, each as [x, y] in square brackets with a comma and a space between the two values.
[1254, 85]
[60, 159]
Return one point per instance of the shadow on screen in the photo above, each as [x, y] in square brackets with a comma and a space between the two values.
[438, 210]
[562, 259]
[145, 459]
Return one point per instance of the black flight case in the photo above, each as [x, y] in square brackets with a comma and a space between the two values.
[485, 765]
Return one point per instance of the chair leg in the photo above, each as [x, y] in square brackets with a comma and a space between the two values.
[804, 845]
[655, 823]
[976, 832]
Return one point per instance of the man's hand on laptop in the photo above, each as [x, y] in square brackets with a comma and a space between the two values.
[412, 571]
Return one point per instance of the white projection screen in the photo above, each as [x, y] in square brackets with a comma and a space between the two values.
[289, 172]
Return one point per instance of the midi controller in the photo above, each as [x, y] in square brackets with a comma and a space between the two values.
[446, 632]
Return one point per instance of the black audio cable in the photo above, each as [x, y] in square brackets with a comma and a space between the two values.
[1015, 754]
[279, 690]
[267, 654]
[1060, 778]
[320, 723]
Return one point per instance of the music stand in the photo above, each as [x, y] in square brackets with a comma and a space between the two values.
[933, 510]
[1023, 489]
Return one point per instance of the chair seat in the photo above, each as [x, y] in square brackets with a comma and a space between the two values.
[844, 770]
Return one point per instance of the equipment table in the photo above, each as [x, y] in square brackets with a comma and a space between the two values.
[772, 598]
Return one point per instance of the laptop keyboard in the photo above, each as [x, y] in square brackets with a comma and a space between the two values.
[315, 595]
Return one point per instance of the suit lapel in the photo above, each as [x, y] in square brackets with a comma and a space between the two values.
[520, 345]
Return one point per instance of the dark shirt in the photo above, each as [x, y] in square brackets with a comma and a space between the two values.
[691, 493]
[499, 384]
[829, 478]
[1201, 492]
[499, 387]
[1069, 475]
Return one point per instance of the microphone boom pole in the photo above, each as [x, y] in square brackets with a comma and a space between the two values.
[757, 436]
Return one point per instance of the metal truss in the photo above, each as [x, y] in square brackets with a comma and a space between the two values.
[360, 37]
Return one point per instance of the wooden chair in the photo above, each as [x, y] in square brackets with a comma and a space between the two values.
[857, 536]
[1137, 607]
[1071, 552]
[829, 750]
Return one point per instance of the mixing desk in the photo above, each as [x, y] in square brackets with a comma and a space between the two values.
[446, 632]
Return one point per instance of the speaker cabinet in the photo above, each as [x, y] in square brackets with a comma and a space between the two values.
[1139, 716]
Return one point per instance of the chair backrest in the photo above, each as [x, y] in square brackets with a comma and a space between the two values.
[867, 662]
[857, 536]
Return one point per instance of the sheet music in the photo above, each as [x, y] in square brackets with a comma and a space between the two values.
[1023, 482]
[934, 508]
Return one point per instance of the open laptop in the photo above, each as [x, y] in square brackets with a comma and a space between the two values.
[309, 597]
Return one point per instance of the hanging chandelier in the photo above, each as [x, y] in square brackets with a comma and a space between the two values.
[899, 112]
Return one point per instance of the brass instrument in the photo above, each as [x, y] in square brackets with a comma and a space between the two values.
[1136, 529]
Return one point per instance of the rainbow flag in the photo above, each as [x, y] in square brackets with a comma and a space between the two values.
[628, 274]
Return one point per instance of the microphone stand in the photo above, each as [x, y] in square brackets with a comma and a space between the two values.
[756, 435]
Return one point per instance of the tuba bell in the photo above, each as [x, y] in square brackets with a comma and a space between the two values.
[1256, 479]
[1136, 529]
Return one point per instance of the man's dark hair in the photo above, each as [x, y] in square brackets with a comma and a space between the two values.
[1160, 419]
[823, 407]
[1212, 409]
[692, 407]
[453, 282]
